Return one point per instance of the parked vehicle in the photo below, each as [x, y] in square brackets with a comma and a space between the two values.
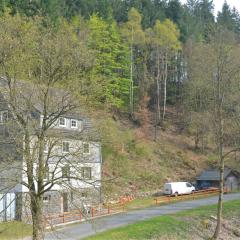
[176, 188]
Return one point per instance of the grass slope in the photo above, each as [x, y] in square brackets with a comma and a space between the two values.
[14, 230]
[191, 224]
[134, 162]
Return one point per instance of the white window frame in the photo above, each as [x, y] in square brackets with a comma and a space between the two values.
[1, 116]
[74, 120]
[65, 122]
[68, 146]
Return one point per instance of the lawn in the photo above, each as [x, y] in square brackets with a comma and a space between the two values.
[14, 230]
[191, 224]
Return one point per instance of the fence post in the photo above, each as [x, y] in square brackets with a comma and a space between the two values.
[80, 214]
[63, 218]
[108, 209]
[92, 212]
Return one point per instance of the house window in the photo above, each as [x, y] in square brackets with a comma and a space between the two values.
[47, 198]
[3, 116]
[62, 122]
[73, 123]
[65, 147]
[66, 171]
[87, 173]
[84, 194]
[86, 148]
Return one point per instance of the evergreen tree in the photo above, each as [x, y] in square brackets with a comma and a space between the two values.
[134, 34]
[112, 59]
[229, 18]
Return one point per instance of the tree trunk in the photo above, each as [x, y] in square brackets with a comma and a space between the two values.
[219, 131]
[37, 217]
[158, 88]
[221, 184]
[131, 77]
[197, 141]
[165, 88]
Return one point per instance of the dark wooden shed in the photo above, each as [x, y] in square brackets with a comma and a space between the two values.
[211, 178]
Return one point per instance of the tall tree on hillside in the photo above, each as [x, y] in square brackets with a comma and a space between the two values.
[198, 19]
[214, 71]
[205, 15]
[52, 9]
[112, 59]
[132, 31]
[229, 18]
[165, 41]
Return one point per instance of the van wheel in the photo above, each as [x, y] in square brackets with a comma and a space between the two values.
[175, 194]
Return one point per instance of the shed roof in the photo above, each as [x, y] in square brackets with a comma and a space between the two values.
[214, 174]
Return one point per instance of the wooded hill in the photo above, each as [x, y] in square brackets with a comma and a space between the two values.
[165, 76]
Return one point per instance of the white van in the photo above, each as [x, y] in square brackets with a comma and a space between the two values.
[176, 188]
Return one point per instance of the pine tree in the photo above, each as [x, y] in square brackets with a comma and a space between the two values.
[229, 18]
[112, 59]
[134, 34]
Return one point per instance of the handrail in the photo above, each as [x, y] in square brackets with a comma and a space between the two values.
[169, 198]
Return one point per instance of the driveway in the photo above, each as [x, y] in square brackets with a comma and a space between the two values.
[82, 230]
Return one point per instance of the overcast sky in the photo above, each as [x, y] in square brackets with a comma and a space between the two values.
[218, 4]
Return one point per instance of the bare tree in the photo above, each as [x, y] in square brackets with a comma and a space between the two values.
[47, 59]
[215, 68]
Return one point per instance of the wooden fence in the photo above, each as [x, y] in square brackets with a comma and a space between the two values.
[90, 213]
[120, 206]
[194, 195]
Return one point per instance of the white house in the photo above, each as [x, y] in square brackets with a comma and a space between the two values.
[73, 161]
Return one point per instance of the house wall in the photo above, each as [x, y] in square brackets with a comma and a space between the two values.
[76, 160]
[232, 183]
[54, 202]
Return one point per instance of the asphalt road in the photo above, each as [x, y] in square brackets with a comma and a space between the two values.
[81, 230]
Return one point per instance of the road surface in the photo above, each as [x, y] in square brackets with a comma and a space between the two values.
[82, 230]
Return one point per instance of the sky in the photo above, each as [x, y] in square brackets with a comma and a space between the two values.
[218, 4]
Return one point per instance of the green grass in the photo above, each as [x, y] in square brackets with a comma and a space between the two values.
[14, 230]
[146, 230]
[140, 203]
[176, 226]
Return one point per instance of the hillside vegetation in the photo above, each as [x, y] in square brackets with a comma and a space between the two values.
[133, 162]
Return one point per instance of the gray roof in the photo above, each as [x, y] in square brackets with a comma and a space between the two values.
[214, 174]
[32, 94]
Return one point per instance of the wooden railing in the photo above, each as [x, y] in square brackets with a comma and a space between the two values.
[194, 195]
[120, 206]
[90, 213]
